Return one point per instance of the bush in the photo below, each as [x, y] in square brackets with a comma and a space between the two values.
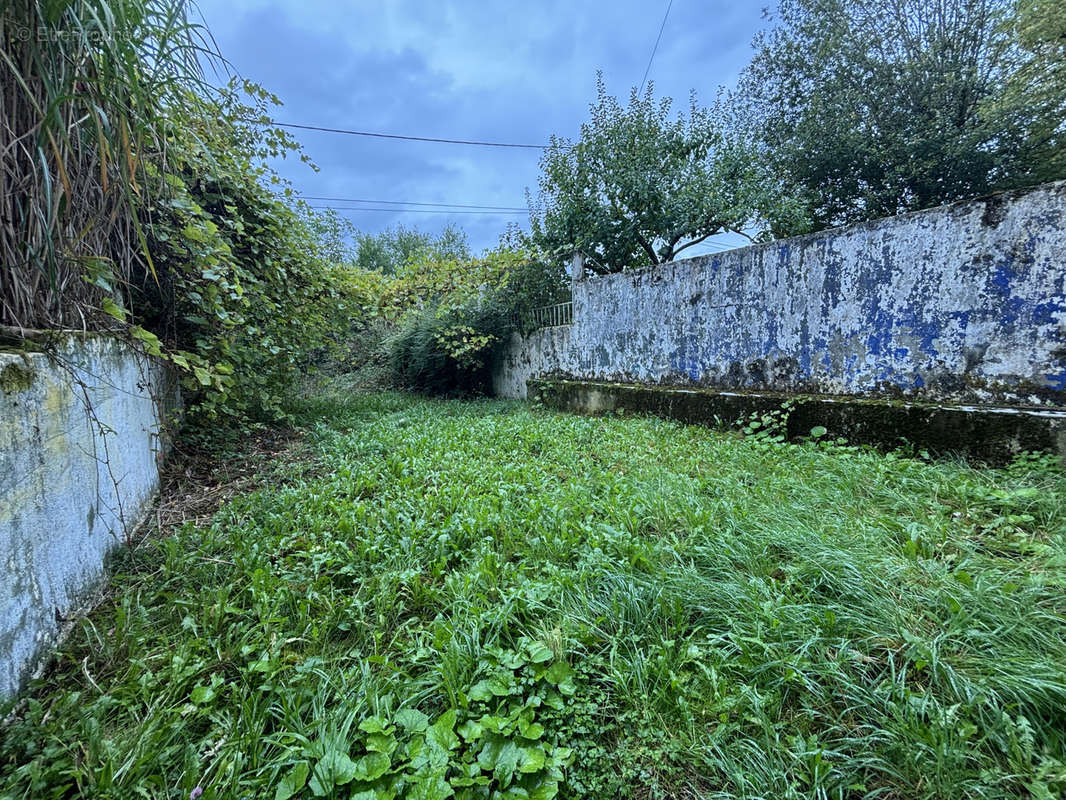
[240, 296]
[444, 350]
[459, 315]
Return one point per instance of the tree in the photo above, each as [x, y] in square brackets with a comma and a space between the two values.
[334, 234]
[639, 188]
[869, 108]
[394, 249]
[1035, 95]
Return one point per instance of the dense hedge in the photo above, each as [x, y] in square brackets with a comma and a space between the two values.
[454, 316]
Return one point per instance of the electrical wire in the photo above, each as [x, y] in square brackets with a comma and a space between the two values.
[410, 203]
[655, 48]
[348, 132]
[418, 210]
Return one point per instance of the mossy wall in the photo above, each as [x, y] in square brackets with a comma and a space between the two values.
[81, 418]
[991, 435]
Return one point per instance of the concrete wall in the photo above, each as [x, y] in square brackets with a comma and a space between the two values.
[963, 303]
[72, 483]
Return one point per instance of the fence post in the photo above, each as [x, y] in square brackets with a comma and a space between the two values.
[577, 267]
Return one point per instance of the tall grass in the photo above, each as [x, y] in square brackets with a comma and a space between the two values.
[743, 619]
[84, 88]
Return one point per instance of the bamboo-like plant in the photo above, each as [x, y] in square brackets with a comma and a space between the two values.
[85, 86]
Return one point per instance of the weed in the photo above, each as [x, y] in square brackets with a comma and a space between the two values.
[479, 599]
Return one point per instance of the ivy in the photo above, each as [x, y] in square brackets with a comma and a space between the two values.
[242, 295]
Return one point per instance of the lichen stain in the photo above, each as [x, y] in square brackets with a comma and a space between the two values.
[15, 378]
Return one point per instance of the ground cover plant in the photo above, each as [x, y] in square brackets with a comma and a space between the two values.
[480, 599]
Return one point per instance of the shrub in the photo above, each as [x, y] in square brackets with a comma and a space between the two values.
[458, 315]
[445, 350]
[239, 297]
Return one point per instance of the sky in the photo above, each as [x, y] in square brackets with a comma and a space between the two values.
[487, 70]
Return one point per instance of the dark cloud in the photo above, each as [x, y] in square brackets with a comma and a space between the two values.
[499, 71]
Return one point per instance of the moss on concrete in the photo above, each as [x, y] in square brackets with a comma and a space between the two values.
[16, 378]
[992, 435]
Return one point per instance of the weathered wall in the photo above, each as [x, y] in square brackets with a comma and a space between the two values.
[964, 303]
[989, 434]
[71, 482]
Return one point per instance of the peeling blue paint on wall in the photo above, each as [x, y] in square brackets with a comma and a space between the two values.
[954, 303]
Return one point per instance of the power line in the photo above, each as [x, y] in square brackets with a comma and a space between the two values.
[418, 210]
[411, 203]
[655, 48]
[719, 247]
[397, 136]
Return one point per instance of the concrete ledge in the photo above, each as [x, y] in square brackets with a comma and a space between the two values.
[989, 434]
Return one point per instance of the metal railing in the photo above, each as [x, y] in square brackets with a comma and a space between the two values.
[552, 316]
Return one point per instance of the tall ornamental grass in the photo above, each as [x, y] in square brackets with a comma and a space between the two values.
[84, 87]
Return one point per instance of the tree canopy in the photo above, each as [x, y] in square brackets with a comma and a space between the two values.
[390, 251]
[869, 108]
[639, 187]
[1035, 94]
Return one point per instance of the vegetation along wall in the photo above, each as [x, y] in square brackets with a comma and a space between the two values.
[80, 423]
[962, 303]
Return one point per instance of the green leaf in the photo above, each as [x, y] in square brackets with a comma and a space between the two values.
[381, 742]
[372, 766]
[532, 759]
[202, 375]
[293, 782]
[530, 730]
[545, 790]
[501, 685]
[506, 762]
[202, 695]
[441, 734]
[430, 787]
[496, 724]
[411, 719]
[151, 342]
[334, 769]
[111, 308]
[558, 672]
[561, 674]
[539, 653]
[470, 730]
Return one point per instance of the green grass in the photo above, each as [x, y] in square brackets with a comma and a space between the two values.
[498, 601]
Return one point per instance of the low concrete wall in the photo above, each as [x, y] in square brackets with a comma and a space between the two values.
[989, 434]
[963, 303]
[79, 462]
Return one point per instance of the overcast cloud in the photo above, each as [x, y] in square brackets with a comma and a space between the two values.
[495, 71]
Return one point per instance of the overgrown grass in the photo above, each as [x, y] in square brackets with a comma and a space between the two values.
[472, 596]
